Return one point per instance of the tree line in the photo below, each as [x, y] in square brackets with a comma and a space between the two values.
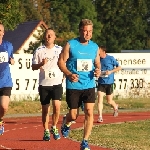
[118, 24]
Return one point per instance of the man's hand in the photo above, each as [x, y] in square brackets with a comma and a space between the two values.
[44, 61]
[11, 60]
[73, 77]
[97, 72]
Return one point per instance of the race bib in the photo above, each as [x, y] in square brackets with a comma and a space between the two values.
[84, 65]
[3, 57]
[51, 74]
[103, 74]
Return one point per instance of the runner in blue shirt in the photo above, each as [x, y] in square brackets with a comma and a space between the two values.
[109, 65]
[6, 58]
[79, 61]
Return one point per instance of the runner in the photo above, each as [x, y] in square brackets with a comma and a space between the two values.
[79, 60]
[50, 82]
[109, 66]
[6, 84]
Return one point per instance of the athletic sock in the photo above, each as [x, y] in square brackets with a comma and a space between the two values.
[46, 130]
[69, 124]
[54, 127]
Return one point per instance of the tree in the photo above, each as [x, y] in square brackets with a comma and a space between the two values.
[34, 45]
[36, 10]
[30, 12]
[11, 14]
[124, 24]
[66, 14]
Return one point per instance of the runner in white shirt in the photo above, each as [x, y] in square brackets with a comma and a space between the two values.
[50, 81]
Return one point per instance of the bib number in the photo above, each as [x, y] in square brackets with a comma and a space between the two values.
[103, 74]
[51, 74]
[3, 57]
[84, 65]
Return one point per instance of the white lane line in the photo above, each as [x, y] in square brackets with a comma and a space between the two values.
[4, 147]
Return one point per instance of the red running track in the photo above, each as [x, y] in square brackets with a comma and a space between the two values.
[27, 132]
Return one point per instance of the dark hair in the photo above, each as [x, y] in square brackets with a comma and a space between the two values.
[85, 22]
[103, 48]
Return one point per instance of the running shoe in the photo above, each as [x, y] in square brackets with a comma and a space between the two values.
[84, 145]
[115, 114]
[100, 119]
[65, 130]
[55, 133]
[1, 127]
[46, 136]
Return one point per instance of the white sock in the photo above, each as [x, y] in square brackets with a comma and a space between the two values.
[54, 127]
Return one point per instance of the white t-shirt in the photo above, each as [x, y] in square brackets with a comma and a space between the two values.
[50, 73]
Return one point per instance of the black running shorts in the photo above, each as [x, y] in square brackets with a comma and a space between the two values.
[50, 92]
[75, 97]
[5, 91]
[106, 88]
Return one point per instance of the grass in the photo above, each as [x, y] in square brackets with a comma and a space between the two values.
[125, 136]
[29, 106]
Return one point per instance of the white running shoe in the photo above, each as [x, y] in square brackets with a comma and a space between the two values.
[100, 119]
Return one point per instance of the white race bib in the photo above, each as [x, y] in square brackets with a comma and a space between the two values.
[84, 65]
[3, 57]
[103, 74]
[51, 74]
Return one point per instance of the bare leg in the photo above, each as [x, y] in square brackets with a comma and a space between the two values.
[100, 103]
[88, 122]
[45, 115]
[56, 112]
[4, 103]
[72, 115]
[111, 101]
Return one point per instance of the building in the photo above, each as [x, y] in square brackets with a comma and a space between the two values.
[24, 34]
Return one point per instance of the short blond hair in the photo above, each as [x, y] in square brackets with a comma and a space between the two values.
[85, 22]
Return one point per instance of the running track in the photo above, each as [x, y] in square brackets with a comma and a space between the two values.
[26, 132]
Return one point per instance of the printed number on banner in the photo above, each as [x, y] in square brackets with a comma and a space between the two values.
[131, 83]
[28, 83]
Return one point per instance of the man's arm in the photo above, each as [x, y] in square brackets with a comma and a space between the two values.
[11, 58]
[97, 64]
[64, 55]
[35, 61]
[97, 61]
[116, 69]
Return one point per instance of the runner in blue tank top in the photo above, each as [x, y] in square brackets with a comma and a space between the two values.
[79, 61]
[109, 66]
[6, 58]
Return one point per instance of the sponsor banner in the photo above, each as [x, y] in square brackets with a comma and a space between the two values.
[132, 80]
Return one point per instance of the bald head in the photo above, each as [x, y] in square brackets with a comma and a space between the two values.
[49, 36]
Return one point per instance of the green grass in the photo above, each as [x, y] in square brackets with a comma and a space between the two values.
[125, 136]
[28, 106]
